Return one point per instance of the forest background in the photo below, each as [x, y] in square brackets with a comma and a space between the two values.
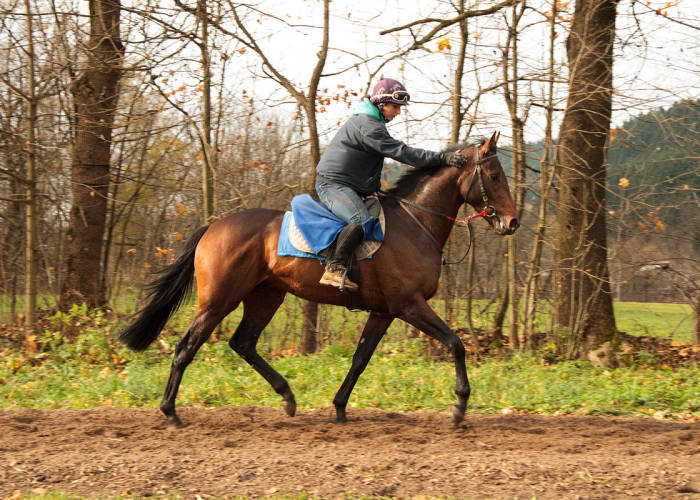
[126, 126]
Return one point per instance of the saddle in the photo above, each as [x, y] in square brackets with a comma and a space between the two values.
[310, 229]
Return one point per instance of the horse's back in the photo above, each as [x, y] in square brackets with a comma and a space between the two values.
[241, 229]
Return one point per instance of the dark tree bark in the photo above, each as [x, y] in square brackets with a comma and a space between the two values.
[583, 298]
[95, 99]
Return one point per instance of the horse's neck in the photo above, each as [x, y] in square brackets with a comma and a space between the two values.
[440, 194]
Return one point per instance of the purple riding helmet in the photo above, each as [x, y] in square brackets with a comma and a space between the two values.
[389, 90]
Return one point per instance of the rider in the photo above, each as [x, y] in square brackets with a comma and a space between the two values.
[351, 168]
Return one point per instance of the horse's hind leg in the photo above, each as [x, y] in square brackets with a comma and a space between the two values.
[259, 307]
[374, 330]
[198, 332]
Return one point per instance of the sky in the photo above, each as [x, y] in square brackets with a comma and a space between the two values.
[656, 59]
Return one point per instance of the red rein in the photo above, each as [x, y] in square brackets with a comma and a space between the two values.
[483, 213]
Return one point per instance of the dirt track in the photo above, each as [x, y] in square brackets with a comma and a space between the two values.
[262, 452]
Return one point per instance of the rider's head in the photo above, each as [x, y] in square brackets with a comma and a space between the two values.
[389, 95]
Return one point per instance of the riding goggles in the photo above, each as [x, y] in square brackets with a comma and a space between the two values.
[401, 95]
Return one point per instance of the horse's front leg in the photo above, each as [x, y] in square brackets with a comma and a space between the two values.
[420, 315]
[374, 330]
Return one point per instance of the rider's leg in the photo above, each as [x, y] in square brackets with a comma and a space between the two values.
[336, 265]
[347, 205]
[343, 201]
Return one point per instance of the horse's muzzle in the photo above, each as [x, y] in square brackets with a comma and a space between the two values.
[507, 225]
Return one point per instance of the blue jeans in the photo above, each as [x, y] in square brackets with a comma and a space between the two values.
[343, 201]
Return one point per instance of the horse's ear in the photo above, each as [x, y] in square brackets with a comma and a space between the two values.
[491, 143]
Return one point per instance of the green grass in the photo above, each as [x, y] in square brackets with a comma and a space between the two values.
[671, 321]
[97, 371]
[667, 320]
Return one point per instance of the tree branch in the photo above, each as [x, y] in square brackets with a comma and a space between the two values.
[444, 23]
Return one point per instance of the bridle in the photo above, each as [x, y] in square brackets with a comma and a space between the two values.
[488, 211]
[488, 208]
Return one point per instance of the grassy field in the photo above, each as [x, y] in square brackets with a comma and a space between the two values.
[47, 372]
[671, 321]
[96, 370]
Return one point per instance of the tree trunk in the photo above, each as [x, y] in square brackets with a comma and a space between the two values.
[95, 94]
[511, 94]
[450, 275]
[309, 333]
[546, 173]
[696, 315]
[500, 314]
[309, 330]
[469, 279]
[583, 299]
[513, 295]
[31, 209]
[208, 197]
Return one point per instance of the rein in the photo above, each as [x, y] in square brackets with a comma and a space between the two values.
[489, 210]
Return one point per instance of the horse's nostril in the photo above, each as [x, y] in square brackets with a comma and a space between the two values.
[514, 224]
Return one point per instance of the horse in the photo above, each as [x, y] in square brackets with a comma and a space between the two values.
[235, 261]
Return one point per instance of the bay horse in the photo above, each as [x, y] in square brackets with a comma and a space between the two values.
[235, 260]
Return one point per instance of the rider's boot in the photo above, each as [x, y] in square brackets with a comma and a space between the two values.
[336, 273]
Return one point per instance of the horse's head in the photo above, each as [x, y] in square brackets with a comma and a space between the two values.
[485, 187]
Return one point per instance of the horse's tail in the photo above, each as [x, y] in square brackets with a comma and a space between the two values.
[166, 294]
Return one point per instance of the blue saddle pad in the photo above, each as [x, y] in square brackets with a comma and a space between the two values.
[319, 227]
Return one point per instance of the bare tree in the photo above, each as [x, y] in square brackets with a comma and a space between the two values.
[32, 92]
[583, 299]
[307, 101]
[545, 185]
[511, 92]
[95, 93]
[436, 27]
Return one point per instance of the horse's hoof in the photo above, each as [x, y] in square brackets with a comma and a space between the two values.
[340, 417]
[457, 415]
[174, 422]
[289, 407]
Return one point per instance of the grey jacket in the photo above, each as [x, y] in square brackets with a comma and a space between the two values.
[355, 156]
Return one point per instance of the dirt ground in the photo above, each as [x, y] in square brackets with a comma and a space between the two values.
[262, 452]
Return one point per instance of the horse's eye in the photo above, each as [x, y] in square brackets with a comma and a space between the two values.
[494, 177]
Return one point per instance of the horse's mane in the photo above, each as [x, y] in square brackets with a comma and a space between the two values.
[470, 143]
[409, 181]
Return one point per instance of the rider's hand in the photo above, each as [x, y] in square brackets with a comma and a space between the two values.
[453, 158]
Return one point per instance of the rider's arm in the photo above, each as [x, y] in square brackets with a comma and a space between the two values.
[378, 140]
